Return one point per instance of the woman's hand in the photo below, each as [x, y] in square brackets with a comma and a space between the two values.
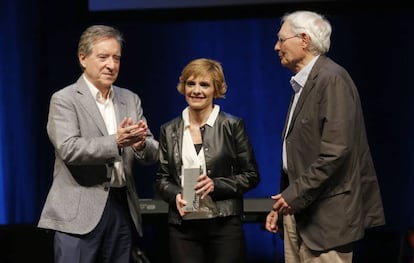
[180, 203]
[204, 186]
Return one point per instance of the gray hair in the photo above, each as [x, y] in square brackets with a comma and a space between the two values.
[315, 25]
[95, 33]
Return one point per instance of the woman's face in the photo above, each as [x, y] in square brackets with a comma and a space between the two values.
[199, 92]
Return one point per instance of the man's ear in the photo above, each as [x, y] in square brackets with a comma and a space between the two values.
[305, 38]
[82, 60]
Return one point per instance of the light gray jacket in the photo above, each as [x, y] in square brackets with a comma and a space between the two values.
[84, 157]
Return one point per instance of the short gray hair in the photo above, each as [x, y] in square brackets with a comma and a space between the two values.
[94, 33]
[313, 24]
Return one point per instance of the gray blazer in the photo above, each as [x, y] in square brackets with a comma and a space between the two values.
[331, 182]
[84, 157]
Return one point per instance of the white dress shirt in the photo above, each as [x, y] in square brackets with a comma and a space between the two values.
[106, 107]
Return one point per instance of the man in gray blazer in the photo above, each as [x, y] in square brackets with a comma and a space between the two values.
[329, 193]
[98, 131]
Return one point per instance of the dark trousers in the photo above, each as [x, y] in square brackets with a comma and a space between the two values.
[109, 242]
[217, 240]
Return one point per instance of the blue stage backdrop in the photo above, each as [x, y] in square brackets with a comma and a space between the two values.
[18, 127]
[108, 5]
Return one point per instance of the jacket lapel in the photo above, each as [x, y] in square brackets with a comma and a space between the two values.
[310, 83]
[177, 138]
[89, 104]
[119, 105]
[287, 117]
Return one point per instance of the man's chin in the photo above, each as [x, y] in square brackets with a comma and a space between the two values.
[108, 81]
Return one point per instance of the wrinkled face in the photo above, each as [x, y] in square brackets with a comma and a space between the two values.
[101, 67]
[199, 92]
[290, 48]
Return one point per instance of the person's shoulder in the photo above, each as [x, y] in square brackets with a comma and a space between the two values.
[124, 91]
[173, 122]
[226, 116]
[329, 64]
[334, 74]
[125, 94]
[327, 68]
[70, 88]
[171, 126]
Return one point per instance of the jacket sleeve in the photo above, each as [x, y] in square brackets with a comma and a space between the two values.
[244, 171]
[165, 185]
[75, 135]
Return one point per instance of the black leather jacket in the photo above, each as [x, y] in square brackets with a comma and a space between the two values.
[230, 163]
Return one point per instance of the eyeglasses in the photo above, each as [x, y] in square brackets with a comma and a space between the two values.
[282, 40]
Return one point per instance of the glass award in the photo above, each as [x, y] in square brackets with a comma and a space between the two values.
[189, 180]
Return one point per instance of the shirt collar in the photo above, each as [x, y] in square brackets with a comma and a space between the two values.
[298, 81]
[96, 93]
[210, 121]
